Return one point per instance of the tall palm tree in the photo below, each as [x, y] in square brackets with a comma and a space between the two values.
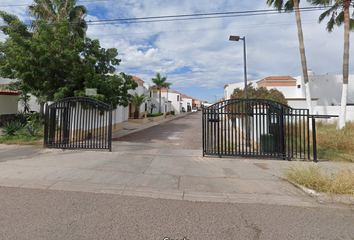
[137, 100]
[341, 6]
[290, 6]
[159, 84]
[56, 10]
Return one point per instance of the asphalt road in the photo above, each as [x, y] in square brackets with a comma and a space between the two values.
[27, 213]
[48, 214]
[181, 133]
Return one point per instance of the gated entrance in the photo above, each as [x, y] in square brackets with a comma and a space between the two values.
[78, 122]
[256, 128]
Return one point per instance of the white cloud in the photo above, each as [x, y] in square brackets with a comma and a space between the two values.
[201, 47]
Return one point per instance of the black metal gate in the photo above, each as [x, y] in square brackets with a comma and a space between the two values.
[78, 122]
[256, 128]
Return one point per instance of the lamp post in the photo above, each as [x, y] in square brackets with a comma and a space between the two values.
[248, 130]
[215, 98]
[238, 38]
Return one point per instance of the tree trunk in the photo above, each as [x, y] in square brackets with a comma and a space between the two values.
[343, 108]
[41, 108]
[303, 56]
[136, 114]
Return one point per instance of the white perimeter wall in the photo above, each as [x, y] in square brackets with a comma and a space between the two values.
[334, 110]
[8, 104]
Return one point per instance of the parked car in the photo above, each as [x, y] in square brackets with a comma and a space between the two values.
[199, 109]
[194, 110]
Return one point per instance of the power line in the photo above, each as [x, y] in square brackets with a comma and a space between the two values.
[196, 16]
[26, 5]
[208, 29]
[189, 17]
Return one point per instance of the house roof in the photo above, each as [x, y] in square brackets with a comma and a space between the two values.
[277, 78]
[135, 78]
[174, 92]
[8, 92]
[185, 96]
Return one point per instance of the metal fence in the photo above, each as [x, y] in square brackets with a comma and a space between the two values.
[78, 122]
[256, 128]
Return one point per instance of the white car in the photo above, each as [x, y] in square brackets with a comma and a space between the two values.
[194, 109]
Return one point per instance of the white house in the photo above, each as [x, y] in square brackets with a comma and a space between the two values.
[165, 104]
[326, 91]
[187, 102]
[176, 101]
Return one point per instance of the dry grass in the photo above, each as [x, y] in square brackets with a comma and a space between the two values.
[333, 144]
[314, 177]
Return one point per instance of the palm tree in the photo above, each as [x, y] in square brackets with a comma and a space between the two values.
[159, 84]
[338, 19]
[290, 6]
[56, 10]
[137, 100]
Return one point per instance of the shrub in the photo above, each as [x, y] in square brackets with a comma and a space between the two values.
[154, 114]
[10, 128]
[168, 113]
[173, 113]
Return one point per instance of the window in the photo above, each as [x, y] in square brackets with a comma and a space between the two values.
[298, 86]
[177, 98]
[146, 107]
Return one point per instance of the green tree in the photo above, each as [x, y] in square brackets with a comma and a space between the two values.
[152, 106]
[339, 14]
[160, 82]
[254, 93]
[51, 67]
[137, 100]
[54, 11]
[289, 6]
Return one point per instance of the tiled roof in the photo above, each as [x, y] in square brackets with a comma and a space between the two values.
[135, 78]
[277, 78]
[185, 96]
[174, 92]
[8, 92]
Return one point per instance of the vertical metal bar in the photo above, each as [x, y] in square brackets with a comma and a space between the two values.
[110, 128]
[86, 123]
[91, 123]
[218, 130]
[296, 135]
[61, 110]
[257, 128]
[203, 131]
[314, 140]
[225, 128]
[46, 123]
[308, 135]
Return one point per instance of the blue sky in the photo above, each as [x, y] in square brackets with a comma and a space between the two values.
[196, 55]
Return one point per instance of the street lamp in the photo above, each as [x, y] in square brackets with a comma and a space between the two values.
[215, 98]
[238, 38]
[248, 130]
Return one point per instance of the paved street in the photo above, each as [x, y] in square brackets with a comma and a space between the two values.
[156, 184]
[180, 133]
[46, 214]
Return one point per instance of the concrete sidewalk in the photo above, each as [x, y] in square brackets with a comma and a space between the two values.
[143, 169]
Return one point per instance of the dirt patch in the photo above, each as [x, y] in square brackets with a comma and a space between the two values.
[261, 165]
